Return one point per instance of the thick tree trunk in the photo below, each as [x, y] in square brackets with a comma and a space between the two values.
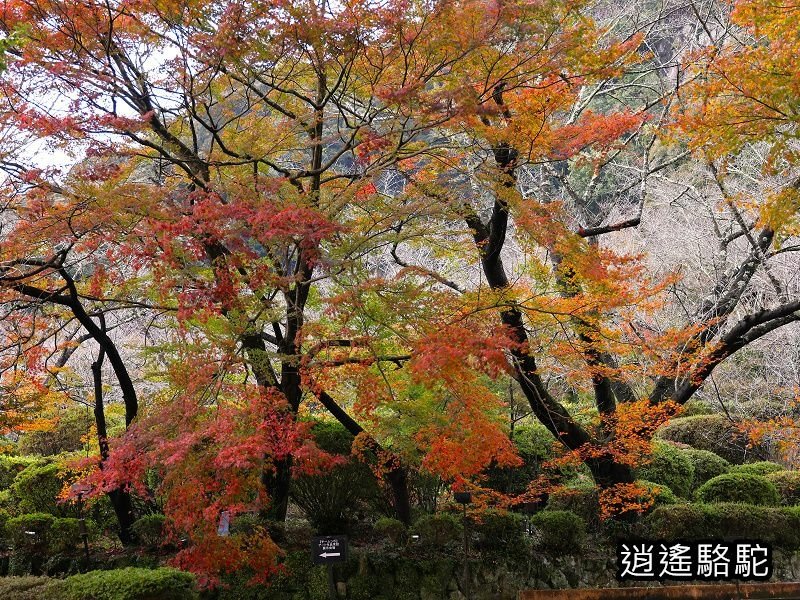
[120, 499]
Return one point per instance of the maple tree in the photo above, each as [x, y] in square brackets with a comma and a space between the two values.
[327, 205]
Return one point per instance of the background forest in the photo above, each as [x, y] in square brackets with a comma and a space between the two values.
[317, 266]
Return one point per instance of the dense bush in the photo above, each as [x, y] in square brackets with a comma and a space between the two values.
[779, 526]
[392, 529]
[11, 466]
[668, 466]
[149, 530]
[694, 407]
[739, 487]
[661, 494]
[36, 489]
[30, 537]
[534, 444]
[499, 530]
[707, 465]
[27, 588]
[129, 584]
[583, 500]
[332, 500]
[714, 433]
[438, 529]
[788, 486]
[65, 534]
[763, 467]
[560, 531]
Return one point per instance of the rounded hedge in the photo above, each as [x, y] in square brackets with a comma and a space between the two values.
[499, 530]
[695, 406]
[582, 500]
[149, 530]
[661, 494]
[129, 584]
[714, 433]
[707, 465]
[11, 466]
[393, 529]
[36, 489]
[739, 487]
[438, 529]
[788, 485]
[762, 468]
[560, 531]
[668, 466]
[778, 526]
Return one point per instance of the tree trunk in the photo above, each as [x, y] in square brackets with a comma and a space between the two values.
[120, 499]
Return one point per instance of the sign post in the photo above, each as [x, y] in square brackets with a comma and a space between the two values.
[327, 550]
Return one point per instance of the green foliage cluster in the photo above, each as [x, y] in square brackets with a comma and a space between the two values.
[706, 464]
[36, 489]
[11, 466]
[331, 500]
[662, 495]
[788, 485]
[28, 588]
[392, 529]
[129, 584]
[714, 433]
[39, 536]
[560, 531]
[534, 444]
[779, 526]
[762, 468]
[500, 531]
[670, 467]
[149, 529]
[739, 487]
[582, 499]
[438, 529]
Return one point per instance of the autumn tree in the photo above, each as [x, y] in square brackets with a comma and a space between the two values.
[375, 208]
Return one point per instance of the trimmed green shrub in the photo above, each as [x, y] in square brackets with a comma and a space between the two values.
[499, 530]
[788, 486]
[762, 468]
[30, 537]
[36, 490]
[30, 530]
[739, 487]
[11, 466]
[560, 531]
[27, 588]
[331, 436]
[65, 534]
[779, 526]
[714, 433]
[583, 500]
[149, 530]
[130, 584]
[668, 466]
[438, 529]
[694, 407]
[662, 494]
[707, 465]
[392, 529]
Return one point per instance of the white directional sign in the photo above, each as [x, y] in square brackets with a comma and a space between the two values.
[329, 549]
